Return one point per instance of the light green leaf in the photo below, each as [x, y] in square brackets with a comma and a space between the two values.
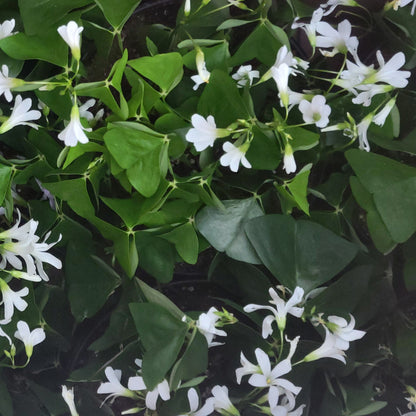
[118, 14]
[48, 46]
[165, 70]
[5, 175]
[298, 187]
[40, 14]
[186, 242]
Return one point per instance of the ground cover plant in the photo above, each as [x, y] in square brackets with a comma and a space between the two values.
[207, 207]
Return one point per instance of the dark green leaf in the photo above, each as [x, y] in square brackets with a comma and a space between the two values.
[224, 229]
[298, 253]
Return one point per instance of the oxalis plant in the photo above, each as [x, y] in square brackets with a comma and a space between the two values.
[207, 208]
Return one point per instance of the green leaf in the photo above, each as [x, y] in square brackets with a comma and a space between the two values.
[194, 361]
[221, 98]
[5, 176]
[90, 281]
[74, 192]
[298, 187]
[40, 14]
[264, 152]
[165, 70]
[139, 153]
[157, 256]
[48, 46]
[298, 253]
[162, 335]
[154, 296]
[6, 405]
[117, 15]
[230, 23]
[186, 242]
[387, 181]
[378, 230]
[128, 209]
[263, 44]
[224, 229]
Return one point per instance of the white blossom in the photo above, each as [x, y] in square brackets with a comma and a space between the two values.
[137, 383]
[280, 312]
[339, 40]
[234, 155]
[7, 83]
[113, 387]
[402, 3]
[74, 131]
[281, 77]
[193, 399]
[316, 111]
[71, 34]
[344, 331]
[289, 162]
[187, 7]
[206, 326]
[6, 28]
[287, 406]
[12, 300]
[203, 133]
[332, 4]
[29, 338]
[203, 74]
[362, 128]
[310, 28]
[271, 378]
[328, 349]
[381, 116]
[21, 115]
[68, 396]
[220, 401]
[245, 75]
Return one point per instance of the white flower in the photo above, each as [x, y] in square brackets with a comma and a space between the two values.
[113, 387]
[83, 112]
[71, 34]
[234, 156]
[27, 247]
[7, 83]
[246, 369]
[21, 115]
[402, 3]
[221, 401]
[12, 300]
[362, 128]
[287, 406]
[245, 75]
[328, 349]
[332, 4]
[284, 56]
[187, 7]
[162, 390]
[203, 74]
[268, 377]
[289, 162]
[25, 276]
[206, 326]
[380, 117]
[310, 28]
[74, 131]
[3, 334]
[280, 312]
[193, 399]
[281, 77]
[389, 73]
[316, 111]
[368, 91]
[29, 338]
[203, 133]
[68, 396]
[339, 40]
[344, 331]
[6, 28]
